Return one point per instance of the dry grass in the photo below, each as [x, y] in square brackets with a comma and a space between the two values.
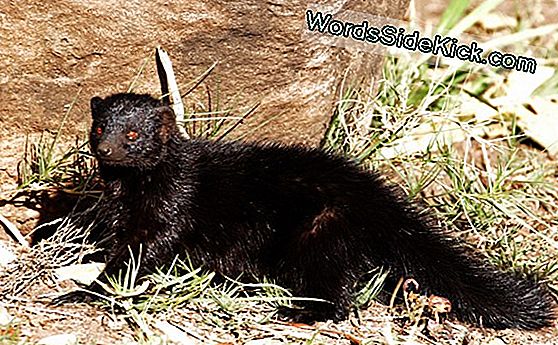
[480, 173]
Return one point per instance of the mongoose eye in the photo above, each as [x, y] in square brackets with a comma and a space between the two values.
[99, 131]
[131, 135]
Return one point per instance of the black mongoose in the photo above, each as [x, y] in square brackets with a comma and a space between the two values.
[313, 221]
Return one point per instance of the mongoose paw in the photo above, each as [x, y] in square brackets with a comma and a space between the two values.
[77, 296]
[311, 315]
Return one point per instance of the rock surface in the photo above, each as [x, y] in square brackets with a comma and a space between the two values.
[50, 50]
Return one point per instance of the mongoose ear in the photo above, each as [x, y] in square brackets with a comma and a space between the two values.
[95, 105]
[168, 123]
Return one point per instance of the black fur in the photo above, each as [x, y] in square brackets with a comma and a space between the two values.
[313, 221]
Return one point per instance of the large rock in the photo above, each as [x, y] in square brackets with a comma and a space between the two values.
[50, 50]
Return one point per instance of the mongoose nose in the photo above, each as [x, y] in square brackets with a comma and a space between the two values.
[104, 151]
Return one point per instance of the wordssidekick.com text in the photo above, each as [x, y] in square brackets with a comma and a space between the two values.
[392, 36]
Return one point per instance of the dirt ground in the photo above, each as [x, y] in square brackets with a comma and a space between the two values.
[89, 323]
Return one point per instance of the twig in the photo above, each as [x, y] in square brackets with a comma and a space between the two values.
[14, 231]
[353, 339]
[201, 78]
[237, 123]
[169, 87]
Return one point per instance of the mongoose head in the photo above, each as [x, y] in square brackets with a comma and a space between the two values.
[130, 130]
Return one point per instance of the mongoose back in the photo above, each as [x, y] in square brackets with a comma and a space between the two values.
[313, 221]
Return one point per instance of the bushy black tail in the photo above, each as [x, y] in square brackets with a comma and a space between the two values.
[479, 292]
[366, 223]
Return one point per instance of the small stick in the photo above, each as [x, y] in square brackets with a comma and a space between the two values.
[169, 87]
[14, 231]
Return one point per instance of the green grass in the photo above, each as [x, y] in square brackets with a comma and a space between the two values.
[48, 164]
[479, 174]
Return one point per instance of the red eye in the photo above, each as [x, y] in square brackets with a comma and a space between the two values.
[131, 135]
[99, 131]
